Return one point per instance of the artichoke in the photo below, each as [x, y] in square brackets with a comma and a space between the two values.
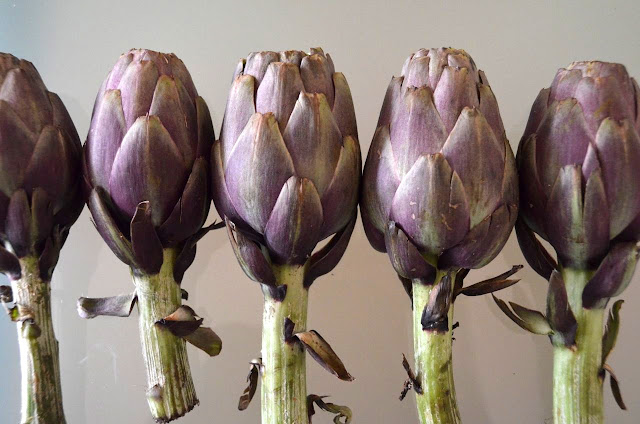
[40, 198]
[146, 165]
[578, 163]
[286, 171]
[440, 196]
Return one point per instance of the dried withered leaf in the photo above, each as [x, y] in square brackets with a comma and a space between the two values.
[611, 331]
[115, 306]
[615, 387]
[250, 391]
[491, 285]
[322, 352]
[412, 377]
[343, 413]
[6, 294]
[182, 322]
[533, 321]
[205, 339]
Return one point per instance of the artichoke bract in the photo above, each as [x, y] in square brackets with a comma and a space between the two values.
[40, 198]
[578, 163]
[440, 196]
[146, 165]
[286, 171]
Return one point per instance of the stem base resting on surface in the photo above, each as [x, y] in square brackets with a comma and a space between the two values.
[284, 381]
[39, 360]
[170, 390]
[433, 359]
[577, 386]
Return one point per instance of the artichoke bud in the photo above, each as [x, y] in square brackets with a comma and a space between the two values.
[40, 165]
[286, 168]
[440, 178]
[578, 161]
[146, 160]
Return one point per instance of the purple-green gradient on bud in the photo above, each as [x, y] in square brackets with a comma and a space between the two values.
[147, 159]
[40, 169]
[439, 184]
[578, 163]
[286, 168]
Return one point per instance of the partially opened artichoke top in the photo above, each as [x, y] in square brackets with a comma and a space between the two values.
[287, 165]
[146, 158]
[40, 156]
[579, 162]
[440, 180]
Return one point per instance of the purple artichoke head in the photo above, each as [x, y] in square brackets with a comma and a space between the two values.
[579, 172]
[146, 158]
[40, 168]
[439, 184]
[287, 165]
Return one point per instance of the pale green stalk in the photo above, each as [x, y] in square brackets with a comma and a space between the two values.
[39, 361]
[577, 386]
[170, 389]
[284, 380]
[433, 358]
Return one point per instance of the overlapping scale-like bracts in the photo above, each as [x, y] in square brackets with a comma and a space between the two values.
[40, 166]
[440, 179]
[147, 158]
[578, 162]
[287, 164]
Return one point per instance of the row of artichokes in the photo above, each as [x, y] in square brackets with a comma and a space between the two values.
[440, 193]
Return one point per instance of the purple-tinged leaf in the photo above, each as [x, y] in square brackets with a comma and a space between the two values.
[257, 170]
[612, 276]
[108, 228]
[293, 229]
[405, 257]
[181, 322]
[9, 264]
[146, 246]
[326, 259]
[18, 224]
[116, 306]
[615, 387]
[559, 313]
[533, 251]
[250, 256]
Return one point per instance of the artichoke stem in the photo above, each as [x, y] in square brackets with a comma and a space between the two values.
[170, 390]
[39, 361]
[284, 380]
[433, 360]
[577, 386]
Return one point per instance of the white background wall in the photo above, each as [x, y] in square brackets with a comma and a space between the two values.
[502, 374]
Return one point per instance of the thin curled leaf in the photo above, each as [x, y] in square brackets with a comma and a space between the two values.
[322, 352]
[611, 331]
[492, 284]
[343, 413]
[205, 339]
[252, 379]
[182, 322]
[412, 381]
[6, 294]
[615, 387]
[532, 321]
[534, 252]
[115, 306]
